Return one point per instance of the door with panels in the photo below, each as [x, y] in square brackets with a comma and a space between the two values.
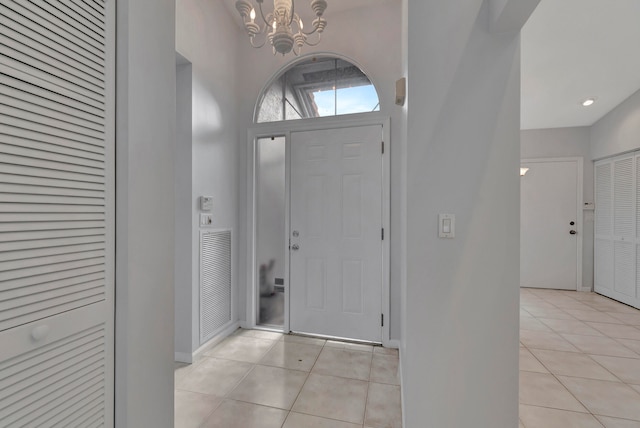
[616, 228]
[336, 233]
[56, 212]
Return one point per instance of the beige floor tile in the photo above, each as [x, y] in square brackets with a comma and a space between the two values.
[241, 348]
[258, 334]
[303, 339]
[627, 318]
[180, 370]
[530, 363]
[545, 340]
[570, 327]
[270, 386]
[542, 417]
[383, 406]
[192, 408]
[600, 345]
[605, 398]
[567, 304]
[520, 424]
[593, 315]
[235, 414]
[292, 355]
[214, 376]
[349, 346]
[385, 351]
[539, 389]
[572, 364]
[333, 397]
[617, 331]
[343, 363]
[298, 420]
[533, 324]
[636, 387]
[627, 369]
[618, 423]
[634, 345]
[556, 313]
[384, 369]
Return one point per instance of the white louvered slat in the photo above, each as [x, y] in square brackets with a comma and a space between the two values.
[37, 386]
[51, 251]
[51, 157]
[14, 36]
[603, 264]
[625, 268]
[63, 25]
[623, 194]
[45, 36]
[604, 198]
[47, 129]
[63, 100]
[56, 212]
[25, 102]
[29, 217]
[215, 282]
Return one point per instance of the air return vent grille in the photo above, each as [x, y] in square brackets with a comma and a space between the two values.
[215, 282]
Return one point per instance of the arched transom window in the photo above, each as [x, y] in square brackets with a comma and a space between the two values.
[317, 87]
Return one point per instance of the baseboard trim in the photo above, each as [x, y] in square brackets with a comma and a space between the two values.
[184, 357]
[404, 423]
[394, 344]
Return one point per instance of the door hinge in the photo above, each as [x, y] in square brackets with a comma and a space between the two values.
[381, 320]
[383, 233]
[383, 147]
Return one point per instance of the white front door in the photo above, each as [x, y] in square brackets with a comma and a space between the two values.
[548, 248]
[336, 233]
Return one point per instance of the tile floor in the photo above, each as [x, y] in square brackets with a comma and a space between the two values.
[579, 361]
[579, 367]
[259, 379]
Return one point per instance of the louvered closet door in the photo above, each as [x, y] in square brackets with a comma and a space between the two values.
[56, 212]
[604, 227]
[624, 246]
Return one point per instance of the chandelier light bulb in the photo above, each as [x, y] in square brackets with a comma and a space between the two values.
[253, 14]
[301, 25]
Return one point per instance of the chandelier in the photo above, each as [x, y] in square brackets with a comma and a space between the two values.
[283, 28]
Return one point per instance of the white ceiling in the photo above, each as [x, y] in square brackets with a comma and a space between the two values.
[571, 50]
[576, 49]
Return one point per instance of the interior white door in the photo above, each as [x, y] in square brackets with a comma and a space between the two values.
[56, 213]
[549, 225]
[336, 233]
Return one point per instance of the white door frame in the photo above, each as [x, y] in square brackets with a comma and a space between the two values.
[279, 129]
[579, 209]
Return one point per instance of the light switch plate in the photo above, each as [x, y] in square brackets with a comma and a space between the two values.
[206, 219]
[447, 226]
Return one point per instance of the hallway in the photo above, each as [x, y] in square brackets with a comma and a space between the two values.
[579, 361]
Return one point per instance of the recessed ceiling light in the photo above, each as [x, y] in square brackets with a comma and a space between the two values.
[588, 102]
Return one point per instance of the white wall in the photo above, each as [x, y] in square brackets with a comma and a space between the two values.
[567, 142]
[207, 37]
[460, 348]
[184, 220]
[371, 37]
[145, 137]
[618, 131]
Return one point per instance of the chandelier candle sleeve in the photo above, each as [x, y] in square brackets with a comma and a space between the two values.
[282, 28]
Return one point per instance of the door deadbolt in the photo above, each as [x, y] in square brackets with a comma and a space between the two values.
[572, 223]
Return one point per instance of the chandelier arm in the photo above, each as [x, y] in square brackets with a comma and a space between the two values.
[316, 43]
[293, 12]
[262, 14]
[264, 42]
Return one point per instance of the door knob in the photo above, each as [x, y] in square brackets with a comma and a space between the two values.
[573, 232]
[295, 247]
